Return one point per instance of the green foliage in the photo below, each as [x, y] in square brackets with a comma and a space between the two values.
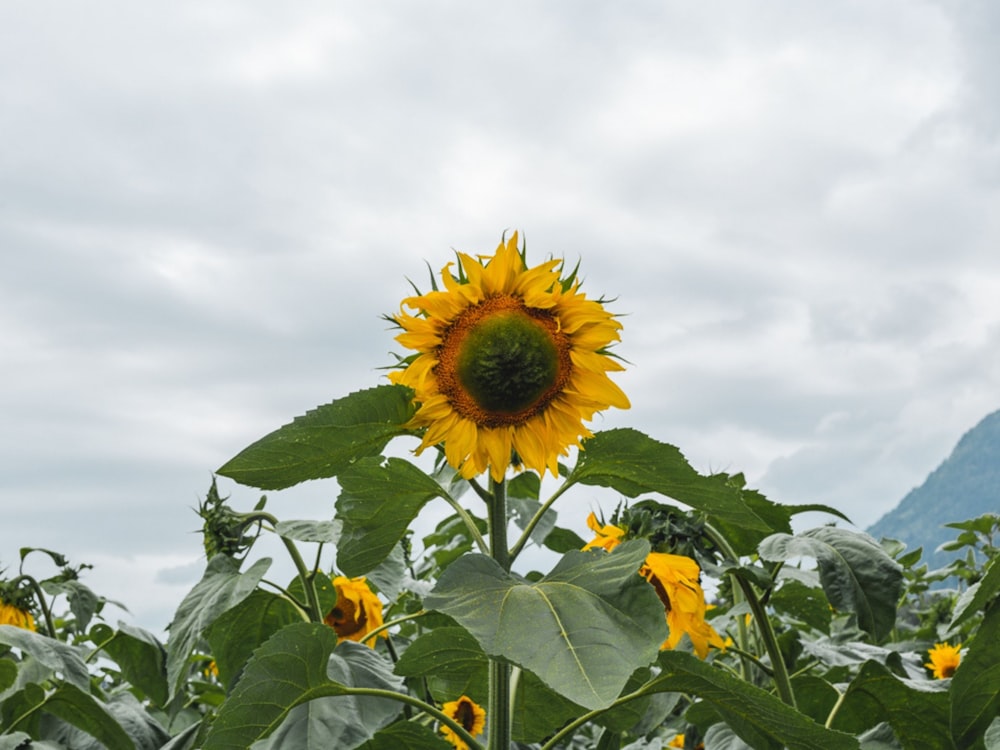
[325, 441]
[583, 629]
[856, 574]
[824, 655]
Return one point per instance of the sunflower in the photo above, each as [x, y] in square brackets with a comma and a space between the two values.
[676, 581]
[469, 714]
[357, 611]
[944, 660]
[11, 614]
[510, 362]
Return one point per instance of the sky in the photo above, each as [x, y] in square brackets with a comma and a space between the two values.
[206, 208]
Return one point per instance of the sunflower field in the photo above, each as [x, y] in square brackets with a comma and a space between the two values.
[691, 616]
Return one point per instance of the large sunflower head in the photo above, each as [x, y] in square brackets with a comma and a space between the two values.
[510, 362]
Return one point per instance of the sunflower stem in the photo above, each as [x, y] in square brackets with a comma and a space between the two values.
[498, 712]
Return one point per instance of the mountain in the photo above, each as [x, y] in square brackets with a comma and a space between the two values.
[965, 486]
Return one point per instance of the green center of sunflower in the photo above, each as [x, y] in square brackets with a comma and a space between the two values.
[501, 362]
[506, 362]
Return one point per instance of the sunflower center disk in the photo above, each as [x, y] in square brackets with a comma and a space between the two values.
[507, 362]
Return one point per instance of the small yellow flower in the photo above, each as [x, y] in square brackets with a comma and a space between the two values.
[608, 536]
[675, 579]
[357, 612]
[211, 670]
[19, 618]
[678, 741]
[944, 660]
[510, 362]
[469, 714]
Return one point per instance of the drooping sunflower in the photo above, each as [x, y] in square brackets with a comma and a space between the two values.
[510, 362]
[11, 614]
[944, 659]
[469, 714]
[676, 581]
[358, 610]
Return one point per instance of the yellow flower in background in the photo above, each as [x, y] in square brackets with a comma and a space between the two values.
[608, 536]
[19, 618]
[357, 612]
[469, 714]
[509, 360]
[944, 660]
[676, 581]
[678, 741]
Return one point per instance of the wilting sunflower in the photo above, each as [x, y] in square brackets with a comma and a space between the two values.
[14, 615]
[357, 611]
[676, 581]
[510, 362]
[469, 714]
[944, 660]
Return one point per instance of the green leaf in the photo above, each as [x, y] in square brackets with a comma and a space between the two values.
[917, 710]
[632, 463]
[139, 655]
[52, 654]
[992, 737]
[855, 572]
[8, 674]
[758, 717]
[406, 735]
[976, 597]
[141, 728]
[82, 601]
[583, 629]
[20, 708]
[975, 686]
[221, 588]
[236, 633]
[376, 505]
[84, 712]
[537, 710]
[327, 532]
[325, 441]
[452, 662]
[804, 603]
[299, 664]
[388, 575]
[563, 540]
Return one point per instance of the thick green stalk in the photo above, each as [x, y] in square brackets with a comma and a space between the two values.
[498, 711]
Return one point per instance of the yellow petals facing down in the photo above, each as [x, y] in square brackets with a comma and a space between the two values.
[357, 611]
[676, 581]
[469, 715]
[510, 362]
[944, 660]
[19, 618]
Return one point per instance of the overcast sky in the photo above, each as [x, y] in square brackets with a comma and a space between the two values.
[206, 207]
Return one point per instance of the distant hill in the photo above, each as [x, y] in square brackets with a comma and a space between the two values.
[966, 485]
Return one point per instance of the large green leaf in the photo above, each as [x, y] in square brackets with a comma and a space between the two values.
[758, 717]
[300, 664]
[451, 661]
[221, 588]
[52, 654]
[632, 463]
[236, 633]
[81, 710]
[583, 629]
[324, 441]
[977, 596]
[855, 572]
[139, 655]
[917, 710]
[141, 728]
[406, 735]
[975, 687]
[378, 500]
